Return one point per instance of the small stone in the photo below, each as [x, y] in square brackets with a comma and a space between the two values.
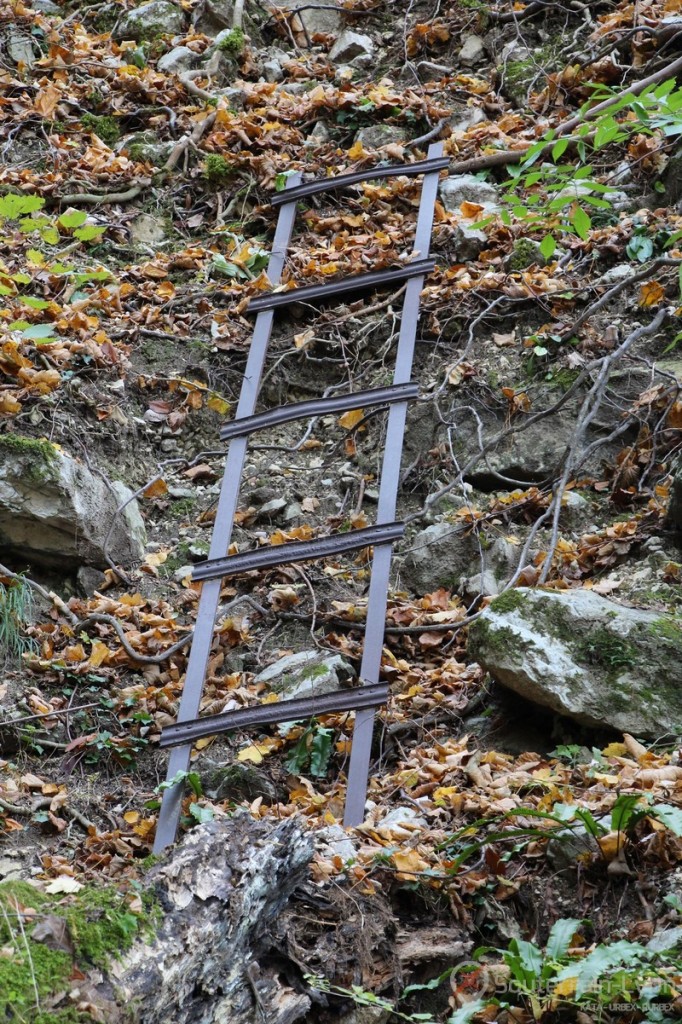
[306, 674]
[146, 230]
[318, 135]
[180, 574]
[618, 273]
[90, 580]
[210, 17]
[272, 508]
[333, 841]
[293, 511]
[349, 45]
[47, 7]
[378, 135]
[466, 188]
[317, 18]
[180, 58]
[465, 116]
[272, 71]
[472, 52]
[169, 445]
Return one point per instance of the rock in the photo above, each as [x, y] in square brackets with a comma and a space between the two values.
[445, 555]
[318, 135]
[19, 46]
[272, 70]
[146, 229]
[180, 58]
[378, 135]
[469, 240]
[47, 7]
[581, 655]
[618, 200]
[472, 52]
[54, 511]
[334, 841]
[239, 781]
[315, 19]
[158, 18]
[464, 116]
[271, 509]
[307, 674]
[569, 846]
[90, 580]
[349, 45]
[213, 16]
[146, 147]
[673, 520]
[466, 188]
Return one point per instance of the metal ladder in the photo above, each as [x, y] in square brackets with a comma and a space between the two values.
[371, 694]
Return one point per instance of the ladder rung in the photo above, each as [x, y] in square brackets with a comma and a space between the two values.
[369, 695]
[311, 188]
[353, 283]
[319, 407]
[298, 551]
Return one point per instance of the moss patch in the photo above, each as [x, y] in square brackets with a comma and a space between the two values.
[508, 602]
[217, 169]
[104, 127]
[38, 457]
[101, 926]
[233, 43]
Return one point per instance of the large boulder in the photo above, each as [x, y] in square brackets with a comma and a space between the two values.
[583, 656]
[54, 511]
[158, 18]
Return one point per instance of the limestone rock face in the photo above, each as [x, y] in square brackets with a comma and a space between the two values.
[445, 555]
[158, 18]
[54, 511]
[581, 655]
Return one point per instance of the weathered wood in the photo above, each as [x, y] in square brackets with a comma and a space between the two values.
[221, 890]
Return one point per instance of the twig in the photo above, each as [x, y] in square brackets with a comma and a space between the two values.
[436, 130]
[48, 595]
[47, 714]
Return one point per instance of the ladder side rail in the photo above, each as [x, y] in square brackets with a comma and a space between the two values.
[169, 814]
[358, 773]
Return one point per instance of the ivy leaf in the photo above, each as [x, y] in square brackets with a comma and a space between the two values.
[201, 814]
[88, 233]
[669, 816]
[39, 331]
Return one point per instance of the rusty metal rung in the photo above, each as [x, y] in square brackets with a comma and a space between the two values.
[371, 695]
[354, 283]
[311, 188]
[298, 551]
[319, 407]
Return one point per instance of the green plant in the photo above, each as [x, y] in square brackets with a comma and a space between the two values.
[312, 751]
[562, 197]
[545, 981]
[361, 997]
[233, 43]
[217, 170]
[16, 609]
[104, 126]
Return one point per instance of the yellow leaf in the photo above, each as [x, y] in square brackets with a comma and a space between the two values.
[131, 817]
[252, 753]
[304, 337]
[155, 558]
[98, 654]
[566, 987]
[351, 419]
[409, 862]
[204, 742]
[610, 845]
[357, 150]
[615, 750]
[156, 489]
[46, 100]
[218, 404]
[651, 293]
